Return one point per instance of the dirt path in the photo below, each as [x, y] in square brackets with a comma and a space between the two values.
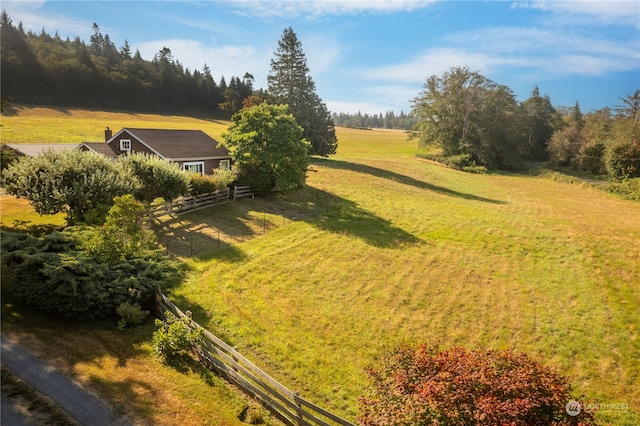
[84, 407]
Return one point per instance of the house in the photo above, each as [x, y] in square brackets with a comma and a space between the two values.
[193, 150]
[33, 149]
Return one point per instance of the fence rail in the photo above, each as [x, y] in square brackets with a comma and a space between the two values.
[189, 204]
[218, 356]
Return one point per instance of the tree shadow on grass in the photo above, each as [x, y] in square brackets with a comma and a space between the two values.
[342, 216]
[201, 236]
[403, 179]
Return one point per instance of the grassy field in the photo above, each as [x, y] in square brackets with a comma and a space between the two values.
[383, 247]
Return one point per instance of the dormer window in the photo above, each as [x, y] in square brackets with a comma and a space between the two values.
[125, 144]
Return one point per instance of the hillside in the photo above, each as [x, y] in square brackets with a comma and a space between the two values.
[384, 247]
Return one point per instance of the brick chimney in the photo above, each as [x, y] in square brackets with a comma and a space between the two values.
[108, 134]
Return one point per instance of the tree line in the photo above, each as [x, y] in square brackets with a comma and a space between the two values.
[473, 123]
[388, 120]
[44, 69]
[47, 70]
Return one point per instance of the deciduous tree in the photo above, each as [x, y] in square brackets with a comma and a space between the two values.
[267, 147]
[424, 386]
[464, 113]
[81, 184]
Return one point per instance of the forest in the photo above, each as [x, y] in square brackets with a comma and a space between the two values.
[47, 70]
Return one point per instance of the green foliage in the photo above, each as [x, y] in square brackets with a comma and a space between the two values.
[175, 336]
[130, 314]
[539, 122]
[627, 188]
[565, 145]
[122, 236]
[159, 178]
[290, 84]
[267, 147]
[53, 274]
[45, 70]
[205, 184]
[593, 158]
[81, 184]
[623, 161]
[7, 156]
[421, 385]
[200, 184]
[462, 112]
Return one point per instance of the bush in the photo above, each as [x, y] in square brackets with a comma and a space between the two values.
[159, 178]
[623, 161]
[220, 179]
[627, 188]
[593, 158]
[130, 314]
[54, 275]
[200, 184]
[420, 386]
[175, 336]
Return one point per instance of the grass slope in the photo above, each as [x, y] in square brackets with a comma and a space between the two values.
[383, 247]
[405, 250]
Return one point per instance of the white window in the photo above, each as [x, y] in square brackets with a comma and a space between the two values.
[125, 144]
[225, 164]
[194, 167]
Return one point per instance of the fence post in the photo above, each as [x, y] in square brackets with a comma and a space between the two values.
[298, 408]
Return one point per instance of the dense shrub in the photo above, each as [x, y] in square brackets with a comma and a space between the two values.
[174, 336]
[565, 145]
[159, 178]
[53, 274]
[81, 184]
[627, 188]
[592, 158]
[206, 184]
[123, 235]
[623, 161]
[130, 314]
[423, 386]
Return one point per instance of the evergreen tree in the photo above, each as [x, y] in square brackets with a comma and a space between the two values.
[290, 84]
[539, 118]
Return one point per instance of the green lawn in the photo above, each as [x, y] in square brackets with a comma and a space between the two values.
[384, 247]
[393, 248]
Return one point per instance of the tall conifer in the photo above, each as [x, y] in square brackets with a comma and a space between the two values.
[289, 83]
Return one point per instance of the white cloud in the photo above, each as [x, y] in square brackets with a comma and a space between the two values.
[224, 61]
[297, 8]
[322, 53]
[534, 53]
[380, 99]
[33, 19]
[608, 12]
[433, 61]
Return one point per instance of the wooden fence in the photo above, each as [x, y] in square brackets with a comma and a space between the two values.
[189, 204]
[288, 406]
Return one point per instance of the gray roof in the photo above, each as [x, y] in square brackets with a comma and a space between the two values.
[33, 149]
[100, 148]
[178, 144]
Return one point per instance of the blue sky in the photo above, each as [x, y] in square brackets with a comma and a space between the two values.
[374, 56]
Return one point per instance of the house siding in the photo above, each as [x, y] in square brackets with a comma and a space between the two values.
[136, 145]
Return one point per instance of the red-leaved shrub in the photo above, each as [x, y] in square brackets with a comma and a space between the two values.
[419, 385]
